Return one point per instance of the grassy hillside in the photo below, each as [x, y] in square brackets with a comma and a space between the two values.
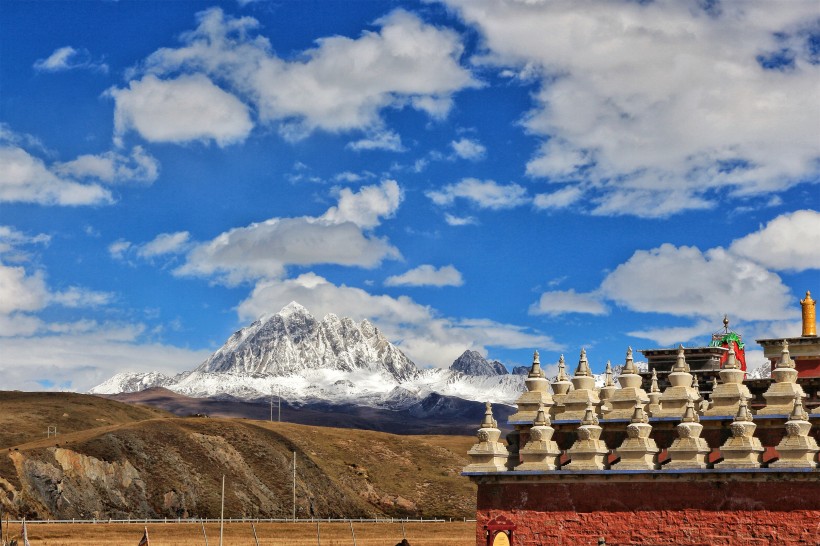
[162, 466]
[25, 416]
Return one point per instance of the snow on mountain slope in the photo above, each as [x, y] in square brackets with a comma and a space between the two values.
[293, 355]
[133, 382]
[293, 341]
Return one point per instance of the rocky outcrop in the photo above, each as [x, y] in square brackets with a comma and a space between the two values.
[472, 363]
[174, 467]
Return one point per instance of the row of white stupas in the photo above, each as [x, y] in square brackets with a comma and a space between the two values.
[577, 400]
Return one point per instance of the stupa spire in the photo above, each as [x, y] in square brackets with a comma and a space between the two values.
[583, 366]
[629, 364]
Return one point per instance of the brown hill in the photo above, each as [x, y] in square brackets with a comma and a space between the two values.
[173, 467]
[26, 416]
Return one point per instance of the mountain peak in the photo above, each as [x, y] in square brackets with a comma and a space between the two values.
[293, 308]
[293, 341]
[472, 363]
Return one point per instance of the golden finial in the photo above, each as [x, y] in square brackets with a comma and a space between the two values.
[809, 316]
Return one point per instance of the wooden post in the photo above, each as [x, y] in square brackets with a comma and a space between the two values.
[403, 534]
[352, 532]
[254, 534]
[318, 535]
[204, 534]
[222, 513]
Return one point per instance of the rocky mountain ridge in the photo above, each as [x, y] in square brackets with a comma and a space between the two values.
[293, 340]
[472, 363]
[335, 360]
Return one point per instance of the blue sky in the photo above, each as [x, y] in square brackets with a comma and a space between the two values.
[500, 176]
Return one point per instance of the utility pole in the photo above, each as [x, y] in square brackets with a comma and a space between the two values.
[271, 404]
[280, 403]
[294, 486]
[222, 514]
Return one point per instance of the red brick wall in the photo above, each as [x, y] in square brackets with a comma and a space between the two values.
[676, 512]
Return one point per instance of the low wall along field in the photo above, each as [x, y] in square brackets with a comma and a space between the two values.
[269, 534]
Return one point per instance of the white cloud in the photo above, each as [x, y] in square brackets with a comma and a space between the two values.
[69, 58]
[79, 361]
[348, 176]
[165, 243]
[560, 302]
[187, 108]
[26, 179]
[118, 248]
[112, 167]
[558, 199]
[72, 355]
[385, 140]
[683, 281]
[466, 148]
[342, 84]
[76, 296]
[460, 220]
[263, 250]
[20, 291]
[11, 238]
[676, 334]
[790, 242]
[418, 330]
[484, 193]
[427, 275]
[662, 106]
[687, 282]
[366, 207]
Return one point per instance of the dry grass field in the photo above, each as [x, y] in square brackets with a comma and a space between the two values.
[241, 534]
[112, 460]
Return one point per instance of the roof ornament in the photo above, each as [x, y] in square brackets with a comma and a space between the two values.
[535, 370]
[742, 449]
[489, 421]
[608, 381]
[690, 415]
[589, 416]
[541, 419]
[680, 361]
[583, 365]
[785, 358]
[731, 360]
[562, 370]
[782, 391]
[809, 307]
[797, 449]
[629, 365]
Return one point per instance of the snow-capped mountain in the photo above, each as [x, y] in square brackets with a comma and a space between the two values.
[472, 363]
[293, 355]
[293, 341]
[134, 382]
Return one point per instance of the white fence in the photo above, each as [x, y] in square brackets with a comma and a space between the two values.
[243, 520]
